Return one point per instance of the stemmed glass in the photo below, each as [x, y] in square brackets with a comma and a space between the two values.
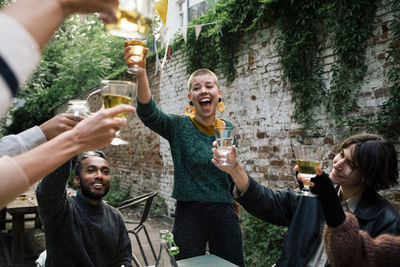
[308, 159]
[114, 93]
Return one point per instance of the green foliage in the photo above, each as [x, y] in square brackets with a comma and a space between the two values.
[298, 47]
[300, 22]
[115, 196]
[388, 119]
[217, 43]
[351, 30]
[262, 242]
[78, 57]
[4, 3]
[158, 207]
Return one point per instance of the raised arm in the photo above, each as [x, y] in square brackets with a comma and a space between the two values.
[41, 18]
[23, 170]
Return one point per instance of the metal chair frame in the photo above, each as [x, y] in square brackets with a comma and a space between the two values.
[147, 199]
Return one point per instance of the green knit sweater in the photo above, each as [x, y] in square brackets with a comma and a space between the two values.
[195, 176]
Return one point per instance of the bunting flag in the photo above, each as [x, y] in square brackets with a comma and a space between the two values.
[197, 30]
[165, 58]
[184, 33]
[161, 7]
[211, 4]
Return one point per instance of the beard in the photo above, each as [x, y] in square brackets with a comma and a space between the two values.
[85, 189]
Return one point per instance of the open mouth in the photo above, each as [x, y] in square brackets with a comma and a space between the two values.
[205, 103]
[98, 185]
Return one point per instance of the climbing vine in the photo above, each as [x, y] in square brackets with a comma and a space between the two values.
[388, 119]
[348, 23]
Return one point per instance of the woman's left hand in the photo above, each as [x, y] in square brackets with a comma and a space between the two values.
[218, 159]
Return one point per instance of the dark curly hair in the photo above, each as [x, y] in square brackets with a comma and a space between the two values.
[77, 161]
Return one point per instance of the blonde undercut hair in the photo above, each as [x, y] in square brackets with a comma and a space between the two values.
[202, 72]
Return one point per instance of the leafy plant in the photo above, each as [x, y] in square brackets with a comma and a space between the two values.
[388, 119]
[262, 242]
[115, 196]
[351, 30]
[78, 57]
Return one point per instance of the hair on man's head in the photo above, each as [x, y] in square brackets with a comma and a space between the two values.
[77, 161]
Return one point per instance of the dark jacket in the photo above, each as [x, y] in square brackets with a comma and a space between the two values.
[305, 219]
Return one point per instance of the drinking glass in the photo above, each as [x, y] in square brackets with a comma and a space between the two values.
[308, 159]
[78, 108]
[137, 49]
[224, 138]
[114, 93]
[134, 19]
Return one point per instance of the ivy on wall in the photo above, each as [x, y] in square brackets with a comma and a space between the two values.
[348, 22]
[388, 119]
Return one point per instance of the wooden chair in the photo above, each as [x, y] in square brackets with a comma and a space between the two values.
[145, 199]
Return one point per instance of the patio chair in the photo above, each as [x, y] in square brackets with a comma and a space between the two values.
[147, 199]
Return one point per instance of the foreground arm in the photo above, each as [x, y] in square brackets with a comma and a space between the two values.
[347, 245]
[92, 133]
[41, 18]
[13, 145]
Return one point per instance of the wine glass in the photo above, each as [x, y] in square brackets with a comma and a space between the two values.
[114, 93]
[308, 159]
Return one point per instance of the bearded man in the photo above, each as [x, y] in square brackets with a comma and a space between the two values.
[82, 230]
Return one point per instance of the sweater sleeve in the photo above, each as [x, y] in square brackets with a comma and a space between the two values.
[124, 256]
[347, 245]
[15, 144]
[13, 181]
[51, 195]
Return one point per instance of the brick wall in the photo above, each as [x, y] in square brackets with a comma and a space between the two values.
[258, 102]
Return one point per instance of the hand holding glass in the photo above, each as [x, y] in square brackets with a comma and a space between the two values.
[224, 138]
[137, 59]
[308, 159]
[134, 19]
[114, 93]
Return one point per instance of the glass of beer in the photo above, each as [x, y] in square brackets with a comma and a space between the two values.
[224, 138]
[308, 159]
[134, 19]
[114, 93]
[137, 49]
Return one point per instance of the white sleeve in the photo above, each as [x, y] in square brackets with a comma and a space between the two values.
[13, 145]
[20, 52]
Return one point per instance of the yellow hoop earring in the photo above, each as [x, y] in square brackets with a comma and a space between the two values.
[221, 106]
[189, 110]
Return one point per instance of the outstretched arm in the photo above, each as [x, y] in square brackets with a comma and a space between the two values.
[92, 133]
[41, 18]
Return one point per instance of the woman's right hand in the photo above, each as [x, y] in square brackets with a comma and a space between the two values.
[130, 63]
[99, 129]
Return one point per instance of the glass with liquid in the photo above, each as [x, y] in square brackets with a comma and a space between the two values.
[307, 159]
[115, 93]
[137, 49]
[224, 137]
[134, 19]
